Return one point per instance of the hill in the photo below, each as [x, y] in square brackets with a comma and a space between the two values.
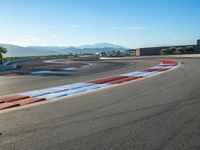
[19, 51]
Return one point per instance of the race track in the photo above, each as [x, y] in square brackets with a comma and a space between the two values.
[160, 112]
[99, 69]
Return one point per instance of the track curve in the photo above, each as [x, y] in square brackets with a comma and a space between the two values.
[159, 113]
[61, 92]
[101, 69]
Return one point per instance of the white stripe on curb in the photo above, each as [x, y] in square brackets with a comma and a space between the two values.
[139, 73]
[60, 92]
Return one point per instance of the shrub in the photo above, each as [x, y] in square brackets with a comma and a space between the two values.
[189, 49]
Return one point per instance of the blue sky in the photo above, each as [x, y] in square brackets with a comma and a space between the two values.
[131, 23]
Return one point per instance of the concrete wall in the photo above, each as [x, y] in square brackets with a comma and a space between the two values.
[197, 49]
[137, 52]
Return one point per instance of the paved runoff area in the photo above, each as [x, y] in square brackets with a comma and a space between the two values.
[105, 110]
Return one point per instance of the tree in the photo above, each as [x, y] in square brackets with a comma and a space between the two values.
[3, 50]
[189, 50]
[118, 53]
[163, 51]
[70, 54]
[179, 50]
[172, 50]
[113, 53]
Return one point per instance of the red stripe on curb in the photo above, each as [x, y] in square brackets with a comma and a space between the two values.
[10, 98]
[29, 101]
[21, 102]
[125, 80]
[8, 105]
[168, 62]
[106, 80]
[14, 100]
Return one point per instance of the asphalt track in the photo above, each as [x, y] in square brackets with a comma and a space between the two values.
[161, 112]
[100, 69]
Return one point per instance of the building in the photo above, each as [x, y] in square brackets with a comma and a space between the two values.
[156, 50]
[198, 42]
[130, 52]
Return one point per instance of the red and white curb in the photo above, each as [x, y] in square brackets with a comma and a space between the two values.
[59, 92]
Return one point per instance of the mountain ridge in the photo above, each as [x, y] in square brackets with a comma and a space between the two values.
[20, 51]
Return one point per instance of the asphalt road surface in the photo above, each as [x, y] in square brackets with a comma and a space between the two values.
[99, 69]
[158, 113]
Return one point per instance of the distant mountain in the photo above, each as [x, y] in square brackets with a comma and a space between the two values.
[97, 45]
[101, 45]
[18, 51]
[86, 50]
[48, 48]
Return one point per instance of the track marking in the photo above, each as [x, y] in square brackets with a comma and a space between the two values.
[60, 92]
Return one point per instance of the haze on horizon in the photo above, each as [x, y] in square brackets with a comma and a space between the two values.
[129, 23]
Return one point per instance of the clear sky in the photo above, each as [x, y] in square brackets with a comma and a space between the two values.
[131, 23]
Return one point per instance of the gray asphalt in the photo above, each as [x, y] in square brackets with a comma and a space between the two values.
[161, 112]
[99, 69]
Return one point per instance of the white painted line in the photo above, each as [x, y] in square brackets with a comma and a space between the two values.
[74, 86]
[139, 73]
[61, 95]
[60, 92]
[53, 95]
[162, 67]
[46, 91]
[96, 86]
